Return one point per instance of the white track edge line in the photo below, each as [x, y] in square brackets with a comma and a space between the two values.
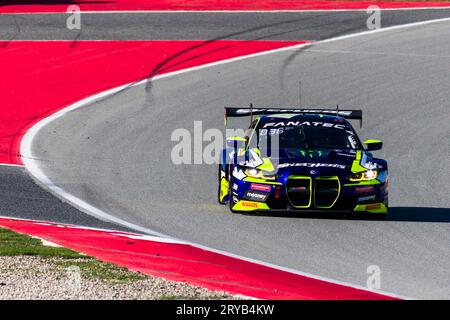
[11, 165]
[33, 169]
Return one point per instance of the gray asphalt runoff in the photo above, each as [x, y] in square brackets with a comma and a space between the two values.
[24, 199]
[116, 155]
[205, 26]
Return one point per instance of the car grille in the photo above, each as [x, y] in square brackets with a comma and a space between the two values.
[299, 191]
[324, 190]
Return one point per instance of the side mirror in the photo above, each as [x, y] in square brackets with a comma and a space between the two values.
[373, 145]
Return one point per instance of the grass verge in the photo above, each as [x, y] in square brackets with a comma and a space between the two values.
[15, 244]
[31, 270]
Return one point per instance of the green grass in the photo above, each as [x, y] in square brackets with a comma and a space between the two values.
[15, 244]
[105, 271]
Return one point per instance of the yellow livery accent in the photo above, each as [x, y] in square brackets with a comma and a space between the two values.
[372, 208]
[244, 205]
[236, 138]
[223, 188]
[256, 180]
[372, 141]
[356, 165]
[363, 183]
[266, 166]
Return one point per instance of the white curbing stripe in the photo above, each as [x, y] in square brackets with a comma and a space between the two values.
[11, 165]
[35, 171]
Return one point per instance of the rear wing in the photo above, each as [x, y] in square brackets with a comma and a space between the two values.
[233, 112]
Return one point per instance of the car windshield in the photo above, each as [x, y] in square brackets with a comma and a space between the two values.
[308, 137]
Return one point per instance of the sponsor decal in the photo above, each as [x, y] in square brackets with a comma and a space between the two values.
[256, 196]
[364, 189]
[351, 155]
[260, 187]
[249, 204]
[312, 165]
[373, 206]
[271, 132]
[367, 198]
[235, 186]
[304, 123]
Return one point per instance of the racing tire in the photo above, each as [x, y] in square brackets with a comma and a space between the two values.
[219, 178]
[231, 203]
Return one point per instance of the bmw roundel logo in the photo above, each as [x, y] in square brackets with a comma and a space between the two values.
[312, 172]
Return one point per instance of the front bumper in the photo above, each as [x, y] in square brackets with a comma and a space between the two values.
[253, 195]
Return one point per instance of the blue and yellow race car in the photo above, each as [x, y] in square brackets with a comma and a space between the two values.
[307, 160]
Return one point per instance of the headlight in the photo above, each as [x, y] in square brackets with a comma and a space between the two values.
[255, 173]
[363, 176]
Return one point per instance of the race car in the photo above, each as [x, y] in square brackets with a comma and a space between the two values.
[306, 160]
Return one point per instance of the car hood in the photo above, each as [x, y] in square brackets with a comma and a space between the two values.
[315, 161]
[311, 161]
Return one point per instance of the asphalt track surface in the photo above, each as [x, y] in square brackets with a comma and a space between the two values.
[24, 199]
[202, 26]
[115, 154]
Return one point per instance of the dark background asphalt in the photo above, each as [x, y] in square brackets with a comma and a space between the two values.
[22, 198]
[202, 26]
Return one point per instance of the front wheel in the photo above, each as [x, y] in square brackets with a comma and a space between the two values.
[222, 188]
[231, 202]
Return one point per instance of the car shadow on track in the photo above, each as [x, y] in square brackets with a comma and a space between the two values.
[406, 214]
[419, 214]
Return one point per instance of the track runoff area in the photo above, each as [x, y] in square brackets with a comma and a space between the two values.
[319, 287]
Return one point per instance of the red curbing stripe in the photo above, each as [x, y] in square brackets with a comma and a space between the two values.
[187, 263]
[13, 6]
[39, 78]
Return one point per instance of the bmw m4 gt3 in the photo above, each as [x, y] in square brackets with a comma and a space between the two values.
[302, 160]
